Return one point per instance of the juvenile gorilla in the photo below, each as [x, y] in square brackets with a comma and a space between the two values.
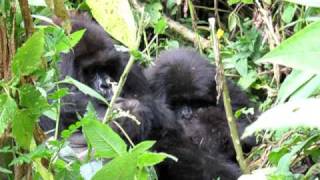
[95, 62]
[185, 81]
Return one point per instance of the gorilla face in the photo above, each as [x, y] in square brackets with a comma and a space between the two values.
[101, 77]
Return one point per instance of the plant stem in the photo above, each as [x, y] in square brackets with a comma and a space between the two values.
[222, 85]
[125, 73]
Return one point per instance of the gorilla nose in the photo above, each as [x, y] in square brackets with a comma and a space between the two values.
[104, 87]
[106, 91]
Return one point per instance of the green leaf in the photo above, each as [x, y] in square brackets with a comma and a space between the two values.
[288, 13]
[116, 18]
[8, 108]
[5, 171]
[22, 127]
[308, 89]
[143, 146]
[65, 45]
[292, 83]
[120, 168]
[143, 174]
[233, 20]
[230, 2]
[58, 94]
[42, 170]
[153, 11]
[102, 138]
[28, 57]
[311, 3]
[150, 159]
[31, 98]
[285, 161]
[84, 88]
[300, 51]
[161, 26]
[276, 154]
[246, 81]
[298, 113]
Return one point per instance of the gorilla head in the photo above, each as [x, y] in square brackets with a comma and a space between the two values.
[183, 76]
[95, 62]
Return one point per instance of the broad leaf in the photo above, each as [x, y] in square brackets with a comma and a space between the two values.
[58, 94]
[161, 26]
[300, 51]
[22, 127]
[8, 108]
[292, 83]
[289, 115]
[116, 18]
[120, 168]
[67, 43]
[28, 57]
[151, 159]
[143, 146]
[31, 98]
[288, 13]
[102, 138]
[309, 89]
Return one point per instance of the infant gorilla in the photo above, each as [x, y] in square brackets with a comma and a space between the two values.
[176, 105]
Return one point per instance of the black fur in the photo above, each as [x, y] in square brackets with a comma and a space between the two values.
[158, 122]
[184, 80]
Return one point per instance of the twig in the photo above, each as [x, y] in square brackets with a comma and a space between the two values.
[222, 85]
[273, 38]
[216, 13]
[124, 133]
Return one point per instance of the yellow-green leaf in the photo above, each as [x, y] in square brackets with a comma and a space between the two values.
[116, 18]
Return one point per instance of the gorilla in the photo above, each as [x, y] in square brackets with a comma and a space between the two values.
[184, 122]
[184, 80]
[95, 62]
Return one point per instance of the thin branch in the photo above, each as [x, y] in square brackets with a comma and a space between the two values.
[124, 133]
[222, 85]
